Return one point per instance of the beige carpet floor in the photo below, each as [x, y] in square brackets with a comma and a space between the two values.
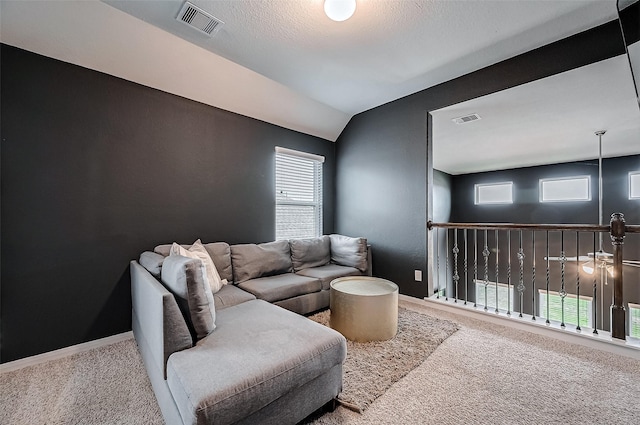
[483, 373]
[372, 367]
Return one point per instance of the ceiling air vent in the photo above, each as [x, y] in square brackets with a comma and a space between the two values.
[199, 19]
[466, 119]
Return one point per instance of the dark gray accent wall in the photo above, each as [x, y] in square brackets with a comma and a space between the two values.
[96, 169]
[526, 207]
[381, 172]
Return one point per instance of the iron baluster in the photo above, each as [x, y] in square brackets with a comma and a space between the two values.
[509, 274]
[521, 281]
[578, 280]
[438, 263]
[497, 311]
[456, 277]
[547, 287]
[595, 289]
[446, 281]
[466, 270]
[485, 254]
[563, 293]
[533, 277]
[475, 265]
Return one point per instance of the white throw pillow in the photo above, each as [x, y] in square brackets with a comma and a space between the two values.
[198, 251]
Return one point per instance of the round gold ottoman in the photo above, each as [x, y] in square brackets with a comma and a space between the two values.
[364, 308]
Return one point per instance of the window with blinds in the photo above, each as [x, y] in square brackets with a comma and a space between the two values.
[570, 308]
[298, 194]
[505, 295]
[634, 320]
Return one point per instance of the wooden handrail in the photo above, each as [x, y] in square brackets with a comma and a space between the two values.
[525, 226]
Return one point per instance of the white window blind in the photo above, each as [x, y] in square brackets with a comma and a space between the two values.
[570, 308]
[505, 295]
[298, 194]
[634, 320]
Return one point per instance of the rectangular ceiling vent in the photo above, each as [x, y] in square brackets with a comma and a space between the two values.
[466, 119]
[199, 19]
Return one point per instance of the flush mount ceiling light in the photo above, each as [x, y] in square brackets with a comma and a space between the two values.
[339, 10]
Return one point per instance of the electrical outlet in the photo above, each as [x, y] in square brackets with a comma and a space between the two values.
[418, 275]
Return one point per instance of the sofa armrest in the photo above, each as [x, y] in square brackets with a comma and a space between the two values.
[369, 271]
[157, 320]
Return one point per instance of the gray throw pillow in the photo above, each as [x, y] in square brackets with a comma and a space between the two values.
[152, 262]
[185, 277]
[307, 253]
[251, 261]
[165, 249]
[347, 251]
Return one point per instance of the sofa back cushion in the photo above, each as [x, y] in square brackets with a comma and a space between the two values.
[185, 278]
[347, 251]
[251, 261]
[307, 253]
[219, 252]
[152, 261]
[221, 255]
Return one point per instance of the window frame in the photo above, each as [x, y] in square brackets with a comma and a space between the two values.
[541, 183]
[317, 162]
[633, 174]
[478, 186]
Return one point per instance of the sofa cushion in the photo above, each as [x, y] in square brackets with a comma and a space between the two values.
[251, 261]
[197, 250]
[219, 252]
[165, 249]
[280, 287]
[280, 352]
[185, 277]
[152, 262]
[221, 255]
[306, 253]
[229, 296]
[350, 252]
[329, 272]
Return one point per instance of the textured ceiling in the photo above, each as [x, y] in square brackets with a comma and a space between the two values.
[547, 121]
[284, 61]
[388, 49]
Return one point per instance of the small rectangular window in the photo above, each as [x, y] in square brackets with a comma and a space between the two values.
[574, 309]
[565, 189]
[634, 185]
[494, 193]
[298, 194]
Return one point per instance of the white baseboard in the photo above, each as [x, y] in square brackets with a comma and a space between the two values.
[64, 352]
[602, 341]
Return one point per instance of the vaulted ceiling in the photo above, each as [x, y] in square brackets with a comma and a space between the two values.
[284, 61]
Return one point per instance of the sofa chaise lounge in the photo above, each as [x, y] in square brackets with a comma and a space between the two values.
[236, 356]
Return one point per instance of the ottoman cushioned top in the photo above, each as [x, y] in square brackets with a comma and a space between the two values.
[281, 351]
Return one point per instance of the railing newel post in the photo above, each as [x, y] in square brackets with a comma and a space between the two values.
[618, 319]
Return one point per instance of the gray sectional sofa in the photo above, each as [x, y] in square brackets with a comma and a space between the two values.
[235, 356]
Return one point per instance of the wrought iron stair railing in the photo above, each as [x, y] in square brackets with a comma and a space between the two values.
[541, 271]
